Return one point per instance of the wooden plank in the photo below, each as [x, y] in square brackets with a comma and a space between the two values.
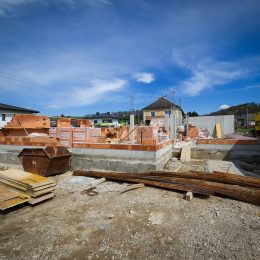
[7, 194]
[42, 187]
[221, 177]
[10, 198]
[11, 203]
[168, 184]
[189, 196]
[13, 185]
[25, 178]
[247, 194]
[131, 187]
[41, 192]
[95, 183]
[33, 201]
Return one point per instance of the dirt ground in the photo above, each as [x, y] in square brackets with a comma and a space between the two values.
[147, 223]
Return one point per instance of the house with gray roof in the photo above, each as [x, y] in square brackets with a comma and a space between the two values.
[8, 111]
[103, 119]
[161, 107]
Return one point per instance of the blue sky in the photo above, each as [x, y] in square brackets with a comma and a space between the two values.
[82, 56]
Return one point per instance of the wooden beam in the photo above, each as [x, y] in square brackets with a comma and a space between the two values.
[200, 184]
[189, 196]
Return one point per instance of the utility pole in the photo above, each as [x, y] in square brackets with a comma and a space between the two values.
[247, 116]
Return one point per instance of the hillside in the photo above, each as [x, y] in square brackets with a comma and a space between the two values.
[239, 109]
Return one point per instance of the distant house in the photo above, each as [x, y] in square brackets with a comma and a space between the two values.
[7, 112]
[103, 119]
[245, 119]
[160, 108]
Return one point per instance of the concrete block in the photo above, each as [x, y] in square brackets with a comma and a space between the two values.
[189, 196]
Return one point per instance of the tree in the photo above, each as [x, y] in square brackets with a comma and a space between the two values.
[192, 114]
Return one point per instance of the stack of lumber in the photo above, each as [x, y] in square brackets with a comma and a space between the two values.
[10, 198]
[231, 185]
[27, 186]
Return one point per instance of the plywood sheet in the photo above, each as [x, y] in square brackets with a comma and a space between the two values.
[10, 198]
[25, 178]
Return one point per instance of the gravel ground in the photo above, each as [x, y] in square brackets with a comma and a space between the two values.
[146, 223]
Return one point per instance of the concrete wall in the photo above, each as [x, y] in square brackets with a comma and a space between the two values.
[103, 159]
[247, 153]
[120, 160]
[227, 123]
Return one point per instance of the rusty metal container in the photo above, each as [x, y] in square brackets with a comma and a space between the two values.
[45, 161]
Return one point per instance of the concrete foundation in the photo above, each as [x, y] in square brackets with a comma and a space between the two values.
[120, 160]
[141, 161]
[103, 159]
[247, 153]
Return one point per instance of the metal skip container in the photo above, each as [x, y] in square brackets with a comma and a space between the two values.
[46, 161]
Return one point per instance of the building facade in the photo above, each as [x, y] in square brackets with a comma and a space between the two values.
[7, 112]
[160, 108]
[103, 119]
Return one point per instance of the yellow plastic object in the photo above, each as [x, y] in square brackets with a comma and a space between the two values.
[218, 130]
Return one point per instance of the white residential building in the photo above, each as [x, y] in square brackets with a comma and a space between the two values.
[7, 112]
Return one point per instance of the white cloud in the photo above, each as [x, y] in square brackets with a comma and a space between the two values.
[252, 87]
[7, 6]
[84, 96]
[208, 73]
[144, 77]
[222, 107]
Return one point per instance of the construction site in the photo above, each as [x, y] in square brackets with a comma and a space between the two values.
[172, 187]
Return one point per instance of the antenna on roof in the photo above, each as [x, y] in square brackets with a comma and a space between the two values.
[180, 102]
[172, 95]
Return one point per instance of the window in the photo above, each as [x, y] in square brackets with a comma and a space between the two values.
[168, 112]
[3, 117]
[107, 121]
[95, 121]
[152, 113]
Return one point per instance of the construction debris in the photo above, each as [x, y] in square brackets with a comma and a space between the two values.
[185, 153]
[238, 187]
[189, 196]
[24, 186]
[95, 183]
[131, 187]
[90, 191]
